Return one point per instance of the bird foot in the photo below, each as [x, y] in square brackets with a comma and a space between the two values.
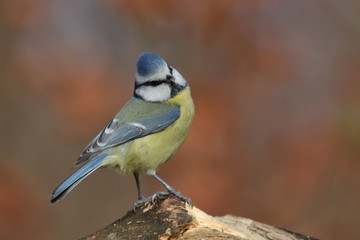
[171, 192]
[160, 195]
[151, 199]
[141, 202]
[178, 195]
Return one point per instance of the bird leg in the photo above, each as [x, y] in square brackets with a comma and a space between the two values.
[137, 180]
[170, 190]
[141, 200]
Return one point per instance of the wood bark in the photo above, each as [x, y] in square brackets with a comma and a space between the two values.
[169, 218]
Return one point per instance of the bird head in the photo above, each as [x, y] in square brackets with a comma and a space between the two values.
[155, 80]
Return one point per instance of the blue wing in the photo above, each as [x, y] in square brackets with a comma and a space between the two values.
[117, 132]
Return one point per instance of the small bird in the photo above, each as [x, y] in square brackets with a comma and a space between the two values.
[146, 133]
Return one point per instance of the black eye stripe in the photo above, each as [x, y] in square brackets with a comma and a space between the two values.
[152, 83]
[175, 88]
[171, 70]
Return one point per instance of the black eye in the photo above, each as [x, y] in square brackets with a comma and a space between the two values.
[169, 77]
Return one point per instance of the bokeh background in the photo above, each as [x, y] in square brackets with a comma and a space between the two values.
[276, 84]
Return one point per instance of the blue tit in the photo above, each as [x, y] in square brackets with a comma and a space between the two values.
[147, 131]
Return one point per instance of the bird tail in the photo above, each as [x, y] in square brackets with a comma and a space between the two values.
[66, 186]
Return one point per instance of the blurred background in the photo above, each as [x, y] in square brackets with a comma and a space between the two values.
[276, 137]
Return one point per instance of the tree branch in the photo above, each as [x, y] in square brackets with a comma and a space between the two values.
[170, 218]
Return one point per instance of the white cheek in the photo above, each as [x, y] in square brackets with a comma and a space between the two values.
[155, 93]
[178, 78]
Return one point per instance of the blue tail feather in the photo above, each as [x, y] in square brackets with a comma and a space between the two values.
[66, 186]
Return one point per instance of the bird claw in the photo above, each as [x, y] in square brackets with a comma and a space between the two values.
[140, 202]
[158, 195]
[185, 199]
[152, 198]
[174, 193]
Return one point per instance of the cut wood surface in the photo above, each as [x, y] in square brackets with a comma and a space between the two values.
[169, 218]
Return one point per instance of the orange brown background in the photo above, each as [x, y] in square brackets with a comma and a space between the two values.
[276, 84]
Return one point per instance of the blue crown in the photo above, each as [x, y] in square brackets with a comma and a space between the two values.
[149, 63]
